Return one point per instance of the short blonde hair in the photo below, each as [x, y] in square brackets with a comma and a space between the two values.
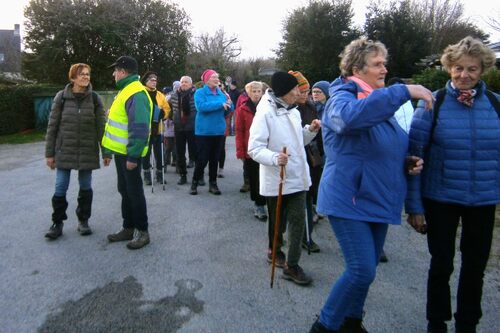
[254, 84]
[76, 69]
[356, 53]
[468, 46]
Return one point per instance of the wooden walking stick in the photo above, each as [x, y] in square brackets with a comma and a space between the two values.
[277, 221]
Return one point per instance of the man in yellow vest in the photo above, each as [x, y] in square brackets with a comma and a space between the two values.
[126, 136]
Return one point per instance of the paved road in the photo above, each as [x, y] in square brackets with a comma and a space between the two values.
[205, 270]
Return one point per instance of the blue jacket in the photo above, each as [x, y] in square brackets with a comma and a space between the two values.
[363, 178]
[210, 117]
[462, 165]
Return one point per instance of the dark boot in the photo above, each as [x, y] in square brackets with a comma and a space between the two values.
[59, 205]
[352, 325]
[182, 180]
[147, 177]
[201, 182]
[194, 187]
[317, 327]
[212, 188]
[55, 231]
[83, 211]
[246, 186]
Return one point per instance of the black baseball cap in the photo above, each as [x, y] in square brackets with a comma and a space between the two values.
[126, 62]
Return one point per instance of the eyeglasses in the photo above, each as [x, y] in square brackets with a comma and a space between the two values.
[84, 74]
[153, 79]
[317, 92]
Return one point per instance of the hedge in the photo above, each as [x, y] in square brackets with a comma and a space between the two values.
[17, 108]
[435, 79]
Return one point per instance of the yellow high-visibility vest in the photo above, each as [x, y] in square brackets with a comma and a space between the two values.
[116, 132]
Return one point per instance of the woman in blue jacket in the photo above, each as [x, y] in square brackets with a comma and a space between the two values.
[212, 106]
[460, 140]
[363, 184]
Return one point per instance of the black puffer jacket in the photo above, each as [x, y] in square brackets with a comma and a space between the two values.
[74, 134]
[183, 122]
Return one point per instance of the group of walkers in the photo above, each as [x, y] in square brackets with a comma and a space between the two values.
[349, 153]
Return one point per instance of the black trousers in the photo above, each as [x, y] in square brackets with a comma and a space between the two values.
[475, 244]
[155, 146]
[252, 170]
[181, 139]
[134, 212]
[208, 152]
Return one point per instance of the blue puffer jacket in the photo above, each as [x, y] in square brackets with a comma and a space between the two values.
[210, 117]
[462, 165]
[363, 178]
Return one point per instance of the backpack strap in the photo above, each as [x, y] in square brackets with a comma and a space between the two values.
[437, 104]
[494, 101]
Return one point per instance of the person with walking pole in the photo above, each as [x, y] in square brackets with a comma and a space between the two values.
[278, 218]
[277, 124]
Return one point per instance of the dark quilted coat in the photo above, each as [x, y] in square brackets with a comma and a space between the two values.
[74, 133]
[462, 164]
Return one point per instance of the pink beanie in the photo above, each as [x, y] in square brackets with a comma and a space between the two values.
[207, 74]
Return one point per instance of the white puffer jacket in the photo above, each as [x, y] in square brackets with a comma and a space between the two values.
[273, 128]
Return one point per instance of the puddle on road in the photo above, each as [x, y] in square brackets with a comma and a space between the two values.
[118, 307]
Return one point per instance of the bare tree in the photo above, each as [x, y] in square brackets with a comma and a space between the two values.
[494, 21]
[214, 51]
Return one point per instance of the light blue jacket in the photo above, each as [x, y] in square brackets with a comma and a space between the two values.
[462, 165]
[210, 117]
[363, 178]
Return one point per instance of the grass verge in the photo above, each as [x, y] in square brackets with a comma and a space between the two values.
[23, 137]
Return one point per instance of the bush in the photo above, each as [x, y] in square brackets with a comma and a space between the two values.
[432, 78]
[17, 108]
[492, 80]
[435, 79]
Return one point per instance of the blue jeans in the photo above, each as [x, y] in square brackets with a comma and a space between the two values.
[361, 244]
[63, 177]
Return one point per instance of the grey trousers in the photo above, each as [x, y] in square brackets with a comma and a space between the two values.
[292, 217]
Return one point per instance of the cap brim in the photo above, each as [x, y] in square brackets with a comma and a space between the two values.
[112, 65]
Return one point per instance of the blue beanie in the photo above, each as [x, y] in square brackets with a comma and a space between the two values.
[323, 85]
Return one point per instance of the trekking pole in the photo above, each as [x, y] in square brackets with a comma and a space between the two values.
[152, 163]
[308, 236]
[162, 163]
[277, 222]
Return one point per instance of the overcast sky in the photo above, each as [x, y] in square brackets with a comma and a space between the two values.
[256, 23]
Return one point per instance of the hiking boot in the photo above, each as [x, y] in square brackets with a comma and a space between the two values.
[147, 177]
[280, 260]
[296, 274]
[260, 213]
[194, 186]
[141, 239]
[314, 247]
[55, 231]
[182, 180]
[352, 325]
[212, 188]
[317, 327]
[83, 228]
[190, 164]
[122, 235]
[221, 173]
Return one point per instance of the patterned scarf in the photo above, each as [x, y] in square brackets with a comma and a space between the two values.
[467, 97]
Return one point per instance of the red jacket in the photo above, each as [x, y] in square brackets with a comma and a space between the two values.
[243, 121]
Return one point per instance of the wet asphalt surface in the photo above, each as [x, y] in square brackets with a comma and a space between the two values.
[204, 271]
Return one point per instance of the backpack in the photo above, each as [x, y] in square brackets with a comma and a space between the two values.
[94, 98]
[439, 100]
